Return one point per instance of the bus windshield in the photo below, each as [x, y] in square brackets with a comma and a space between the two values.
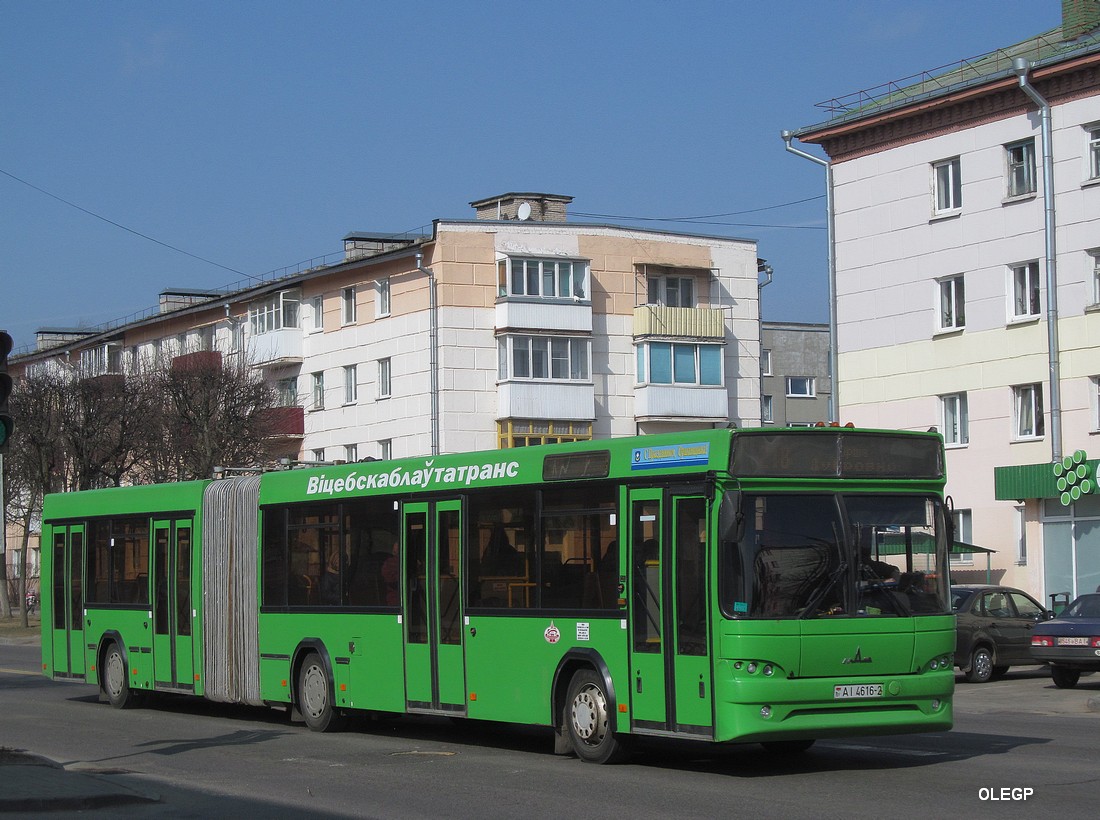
[810, 556]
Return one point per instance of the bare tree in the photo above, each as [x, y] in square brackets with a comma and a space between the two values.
[213, 414]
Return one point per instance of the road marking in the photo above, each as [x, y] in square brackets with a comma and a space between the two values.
[17, 671]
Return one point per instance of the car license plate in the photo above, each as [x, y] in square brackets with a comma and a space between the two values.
[1073, 641]
[848, 691]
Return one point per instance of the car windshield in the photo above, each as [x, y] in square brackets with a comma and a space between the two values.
[1087, 606]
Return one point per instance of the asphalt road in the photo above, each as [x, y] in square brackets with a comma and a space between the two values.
[200, 759]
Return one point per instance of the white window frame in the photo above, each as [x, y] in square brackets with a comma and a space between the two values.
[383, 297]
[385, 374]
[765, 362]
[317, 320]
[964, 531]
[275, 312]
[810, 384]
[767, 413]
[286, 392]
[1027, 412]
[955, 417]
[385, 448]
[674, 356]
[348, 311]
[947, 186]
[351, 384]
[1094, 257]
[1020, 168]
[1021, 535]
[1093, 150]
[317, 394]
[538, 278]
[544, 358]
[951, 303]
[1026, 288]
[351, 453]
[1094, 399]
[318, 454]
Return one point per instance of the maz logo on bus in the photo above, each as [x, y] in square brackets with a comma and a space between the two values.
[398, 477]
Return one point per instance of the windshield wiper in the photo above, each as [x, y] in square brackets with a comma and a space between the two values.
[819, 593]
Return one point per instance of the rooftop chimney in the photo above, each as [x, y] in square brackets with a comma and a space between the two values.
[524, 207]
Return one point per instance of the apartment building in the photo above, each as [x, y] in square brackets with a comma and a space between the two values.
[510, 328]
[795, 383]
[967, 273]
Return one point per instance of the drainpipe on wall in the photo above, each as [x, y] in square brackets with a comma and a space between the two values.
[1021, 67]
[766, 269]
[835, 384]
[433, 352]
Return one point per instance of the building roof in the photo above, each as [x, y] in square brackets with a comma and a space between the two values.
[1046, 49]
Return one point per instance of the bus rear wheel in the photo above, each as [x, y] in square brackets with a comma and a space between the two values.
[315, 696]
[588, 721]
[115, 682]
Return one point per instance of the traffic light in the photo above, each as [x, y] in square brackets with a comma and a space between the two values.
[5, 391]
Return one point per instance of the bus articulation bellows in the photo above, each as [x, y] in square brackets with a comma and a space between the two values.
[772, 586]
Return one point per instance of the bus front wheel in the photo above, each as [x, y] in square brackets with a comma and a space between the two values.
[315, 695]
[116, 683]
[588, 721]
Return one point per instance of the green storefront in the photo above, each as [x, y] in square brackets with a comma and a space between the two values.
[1069, 511]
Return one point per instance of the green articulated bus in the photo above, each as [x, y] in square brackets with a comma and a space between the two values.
[772, 586]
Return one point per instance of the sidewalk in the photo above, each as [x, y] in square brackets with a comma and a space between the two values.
[29, 783]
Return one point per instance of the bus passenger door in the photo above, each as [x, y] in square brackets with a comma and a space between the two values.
[173, 665]
[67, 592]
[435, 671]
[670, 686]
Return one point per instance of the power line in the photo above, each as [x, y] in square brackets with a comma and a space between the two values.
[128, 230]
[707, 219]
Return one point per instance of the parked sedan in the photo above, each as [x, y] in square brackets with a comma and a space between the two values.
[1071, 642]
[995, 624]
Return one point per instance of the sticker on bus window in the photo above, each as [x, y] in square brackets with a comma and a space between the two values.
[552, 634]
[740, 606]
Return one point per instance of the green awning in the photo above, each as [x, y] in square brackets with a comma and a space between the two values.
[1024, 481]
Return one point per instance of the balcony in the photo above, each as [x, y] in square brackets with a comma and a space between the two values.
[276, 347]
[567, 401]
[284, 422]
[681, 402]
[544, 314]
[200, 360]
[683, 323]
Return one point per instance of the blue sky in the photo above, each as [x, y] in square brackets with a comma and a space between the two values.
[256, 135]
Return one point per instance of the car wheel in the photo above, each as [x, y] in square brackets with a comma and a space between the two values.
[981, 666]
[1065, 678]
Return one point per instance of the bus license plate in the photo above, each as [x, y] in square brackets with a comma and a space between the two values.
[857, 690]
[1083, 641]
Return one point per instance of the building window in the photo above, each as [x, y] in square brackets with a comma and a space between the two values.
[384, 378]
[1021, 536]
[952, 297]
[673, 363]
[317, 318]
[318, 391]
[351, 453]
[384, 296]
[766, 410]
[347, 314]
[351, 384]
[800, 387]
[236, 335]
[1028, 410]
[1094, 152]
[318, 455]
[1025, 290]
[963, 524]
[286, 392]
[542, 278]
[1095, 384]
[765, 362]
[671, 291]
[956, 419]
[1020, 166]
[385, 449]
[276, 312]
[204, 337]
[529, 432]
[947, 176]
[558, 358]
[1094, 256]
